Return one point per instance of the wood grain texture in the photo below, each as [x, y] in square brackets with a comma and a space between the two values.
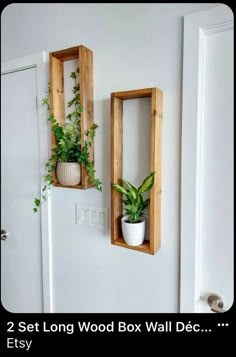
[116, 165]
[66, 54]
[117, 98]
[85, 63]
[86, 95]
[155, 193]
[57, 97]
[134, 94]
[143, 248]
[67, 186]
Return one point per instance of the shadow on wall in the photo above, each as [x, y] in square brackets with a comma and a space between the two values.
[103, 162]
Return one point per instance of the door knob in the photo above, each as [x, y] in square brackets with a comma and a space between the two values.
[216, 303]
[4, 234]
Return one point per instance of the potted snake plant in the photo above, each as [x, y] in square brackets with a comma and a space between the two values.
[133, 224]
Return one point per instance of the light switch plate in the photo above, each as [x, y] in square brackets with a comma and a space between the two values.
[95, 216]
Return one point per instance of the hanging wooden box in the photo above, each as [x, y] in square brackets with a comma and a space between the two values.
[57, 98]
[117, 99]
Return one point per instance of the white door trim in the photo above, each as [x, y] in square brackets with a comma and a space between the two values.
[196, 27]
[39, 62]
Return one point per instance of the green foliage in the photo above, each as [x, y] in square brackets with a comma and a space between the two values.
[68, 138]
[134, 203]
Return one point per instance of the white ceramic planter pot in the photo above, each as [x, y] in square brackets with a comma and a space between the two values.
[68, 173]
[133, 233]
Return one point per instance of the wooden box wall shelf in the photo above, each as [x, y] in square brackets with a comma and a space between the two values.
[117, 99]
[57, 99]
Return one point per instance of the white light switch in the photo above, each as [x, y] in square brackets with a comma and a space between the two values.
[95, 216]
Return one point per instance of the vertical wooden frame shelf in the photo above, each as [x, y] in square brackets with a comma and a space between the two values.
[117, 99]
[57, 98]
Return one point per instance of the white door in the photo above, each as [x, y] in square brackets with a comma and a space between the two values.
[207, 160]
[21, 252]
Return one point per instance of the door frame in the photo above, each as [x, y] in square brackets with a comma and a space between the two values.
[39, 61]
[196, 27]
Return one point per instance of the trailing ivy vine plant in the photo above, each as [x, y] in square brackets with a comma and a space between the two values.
[68, 138]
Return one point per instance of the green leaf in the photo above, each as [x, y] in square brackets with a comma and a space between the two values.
[92, 131]
[52, 168]
[132, 190]
[52, 119]
[48, 179]
[73, 75]
[130, 207]
[37, 202]
[147, 183]
[120, 189]
[94, 126]
[127, 201]
[35, 209]
[145, 203]
[75, 89]
[129, 212]
[45, 101]
[70, 103]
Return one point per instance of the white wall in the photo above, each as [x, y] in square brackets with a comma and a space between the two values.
[135, 46]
